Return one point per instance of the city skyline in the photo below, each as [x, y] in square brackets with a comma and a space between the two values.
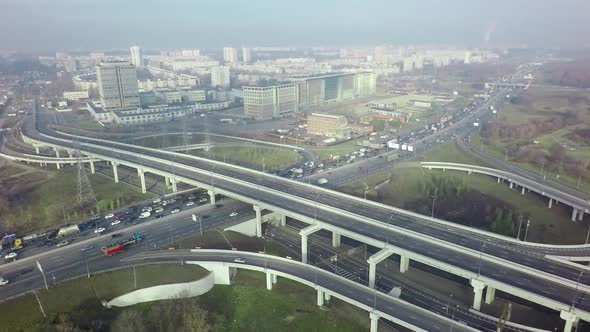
[303, 23]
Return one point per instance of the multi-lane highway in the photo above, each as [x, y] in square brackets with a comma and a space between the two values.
[354, 216]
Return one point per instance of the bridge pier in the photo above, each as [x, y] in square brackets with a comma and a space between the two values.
[498, 180]
[404, 263]
[550, 202]
[570, 320]
[375, 259]
[304, 234]
[478, 287]
[269, 280]
[320, 297]
[174, 185]
[36, 149]
[522, 190]
[580, 215]
[115, 172]
[283, 220]
[167, 181]
[141, 175]
[374, 321]
[211, 196]
[574, 214]
[511, 185]
[57, 156]
[336, 239]
[92, 170]
[71, 155]
[258, 211]
[490, 294]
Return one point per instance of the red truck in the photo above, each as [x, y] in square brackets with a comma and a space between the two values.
[113, 249]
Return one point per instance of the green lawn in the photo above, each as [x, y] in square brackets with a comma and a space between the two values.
[82, 297]
[43, 204]
[253, 157]
[547, 225]
[289, 306]
[450, 153]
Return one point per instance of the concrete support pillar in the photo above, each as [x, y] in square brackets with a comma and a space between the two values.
[570, 320]
[258, 211]
[274, 278]
[92, 170]
[498, 180]
[374, 321]
[211, 196]
[550, 202]
[71, 155]
[304, 249]
[167, 181]
[336, 239]
[478, 287]
[57, 156]
[327, 296]
[490, 294]
[522, 190]
[115, 173]
[511, 185]
[372, 272]
[580, 215]
[574, 214]
[469, 172]
[268, 280]
[36, 149]
[174, 185]
[404, 263]
[283, 220]
[320, 298]
[142, 180]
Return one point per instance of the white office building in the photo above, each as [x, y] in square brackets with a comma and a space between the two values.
[246, 55]
[220, 77]
[117, 85]
[136, 58]
[230, 54]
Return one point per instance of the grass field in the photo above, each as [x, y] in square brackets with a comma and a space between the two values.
[82, 297]
[336, 149]
[248, 306]
[450, 153]
[545, 104]
[253, 157]
[40, 198]
[547, 225]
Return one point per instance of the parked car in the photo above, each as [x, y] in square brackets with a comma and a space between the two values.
[175, 211]
[233, 214]
[158, 210]
[109, 216]
[115, 222]
[11, 255]
[190, 203]
[99, 230]
[145, 214]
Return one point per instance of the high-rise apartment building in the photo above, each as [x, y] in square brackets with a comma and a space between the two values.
[220, 77]
[230, 54]
[136, 58]
[117, 85]
[246, 55]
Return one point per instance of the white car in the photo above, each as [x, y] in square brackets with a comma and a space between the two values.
[233, 214]
[11, 255]
[203, 200]
[144, 215]
[157, 200]
[99, 230]
[115, 222]
[190, 203]
[109, 216]
[3, 281]
[175, 211]
[158, 210]
[147, 209]
[240, 260]
[63, 243]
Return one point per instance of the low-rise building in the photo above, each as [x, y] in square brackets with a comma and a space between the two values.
[75, 95]
[327, 125]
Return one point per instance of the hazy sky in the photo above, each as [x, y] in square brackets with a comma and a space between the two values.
[31, 25]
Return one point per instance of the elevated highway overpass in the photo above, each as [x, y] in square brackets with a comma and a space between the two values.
[579, 205]
[487, 260]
